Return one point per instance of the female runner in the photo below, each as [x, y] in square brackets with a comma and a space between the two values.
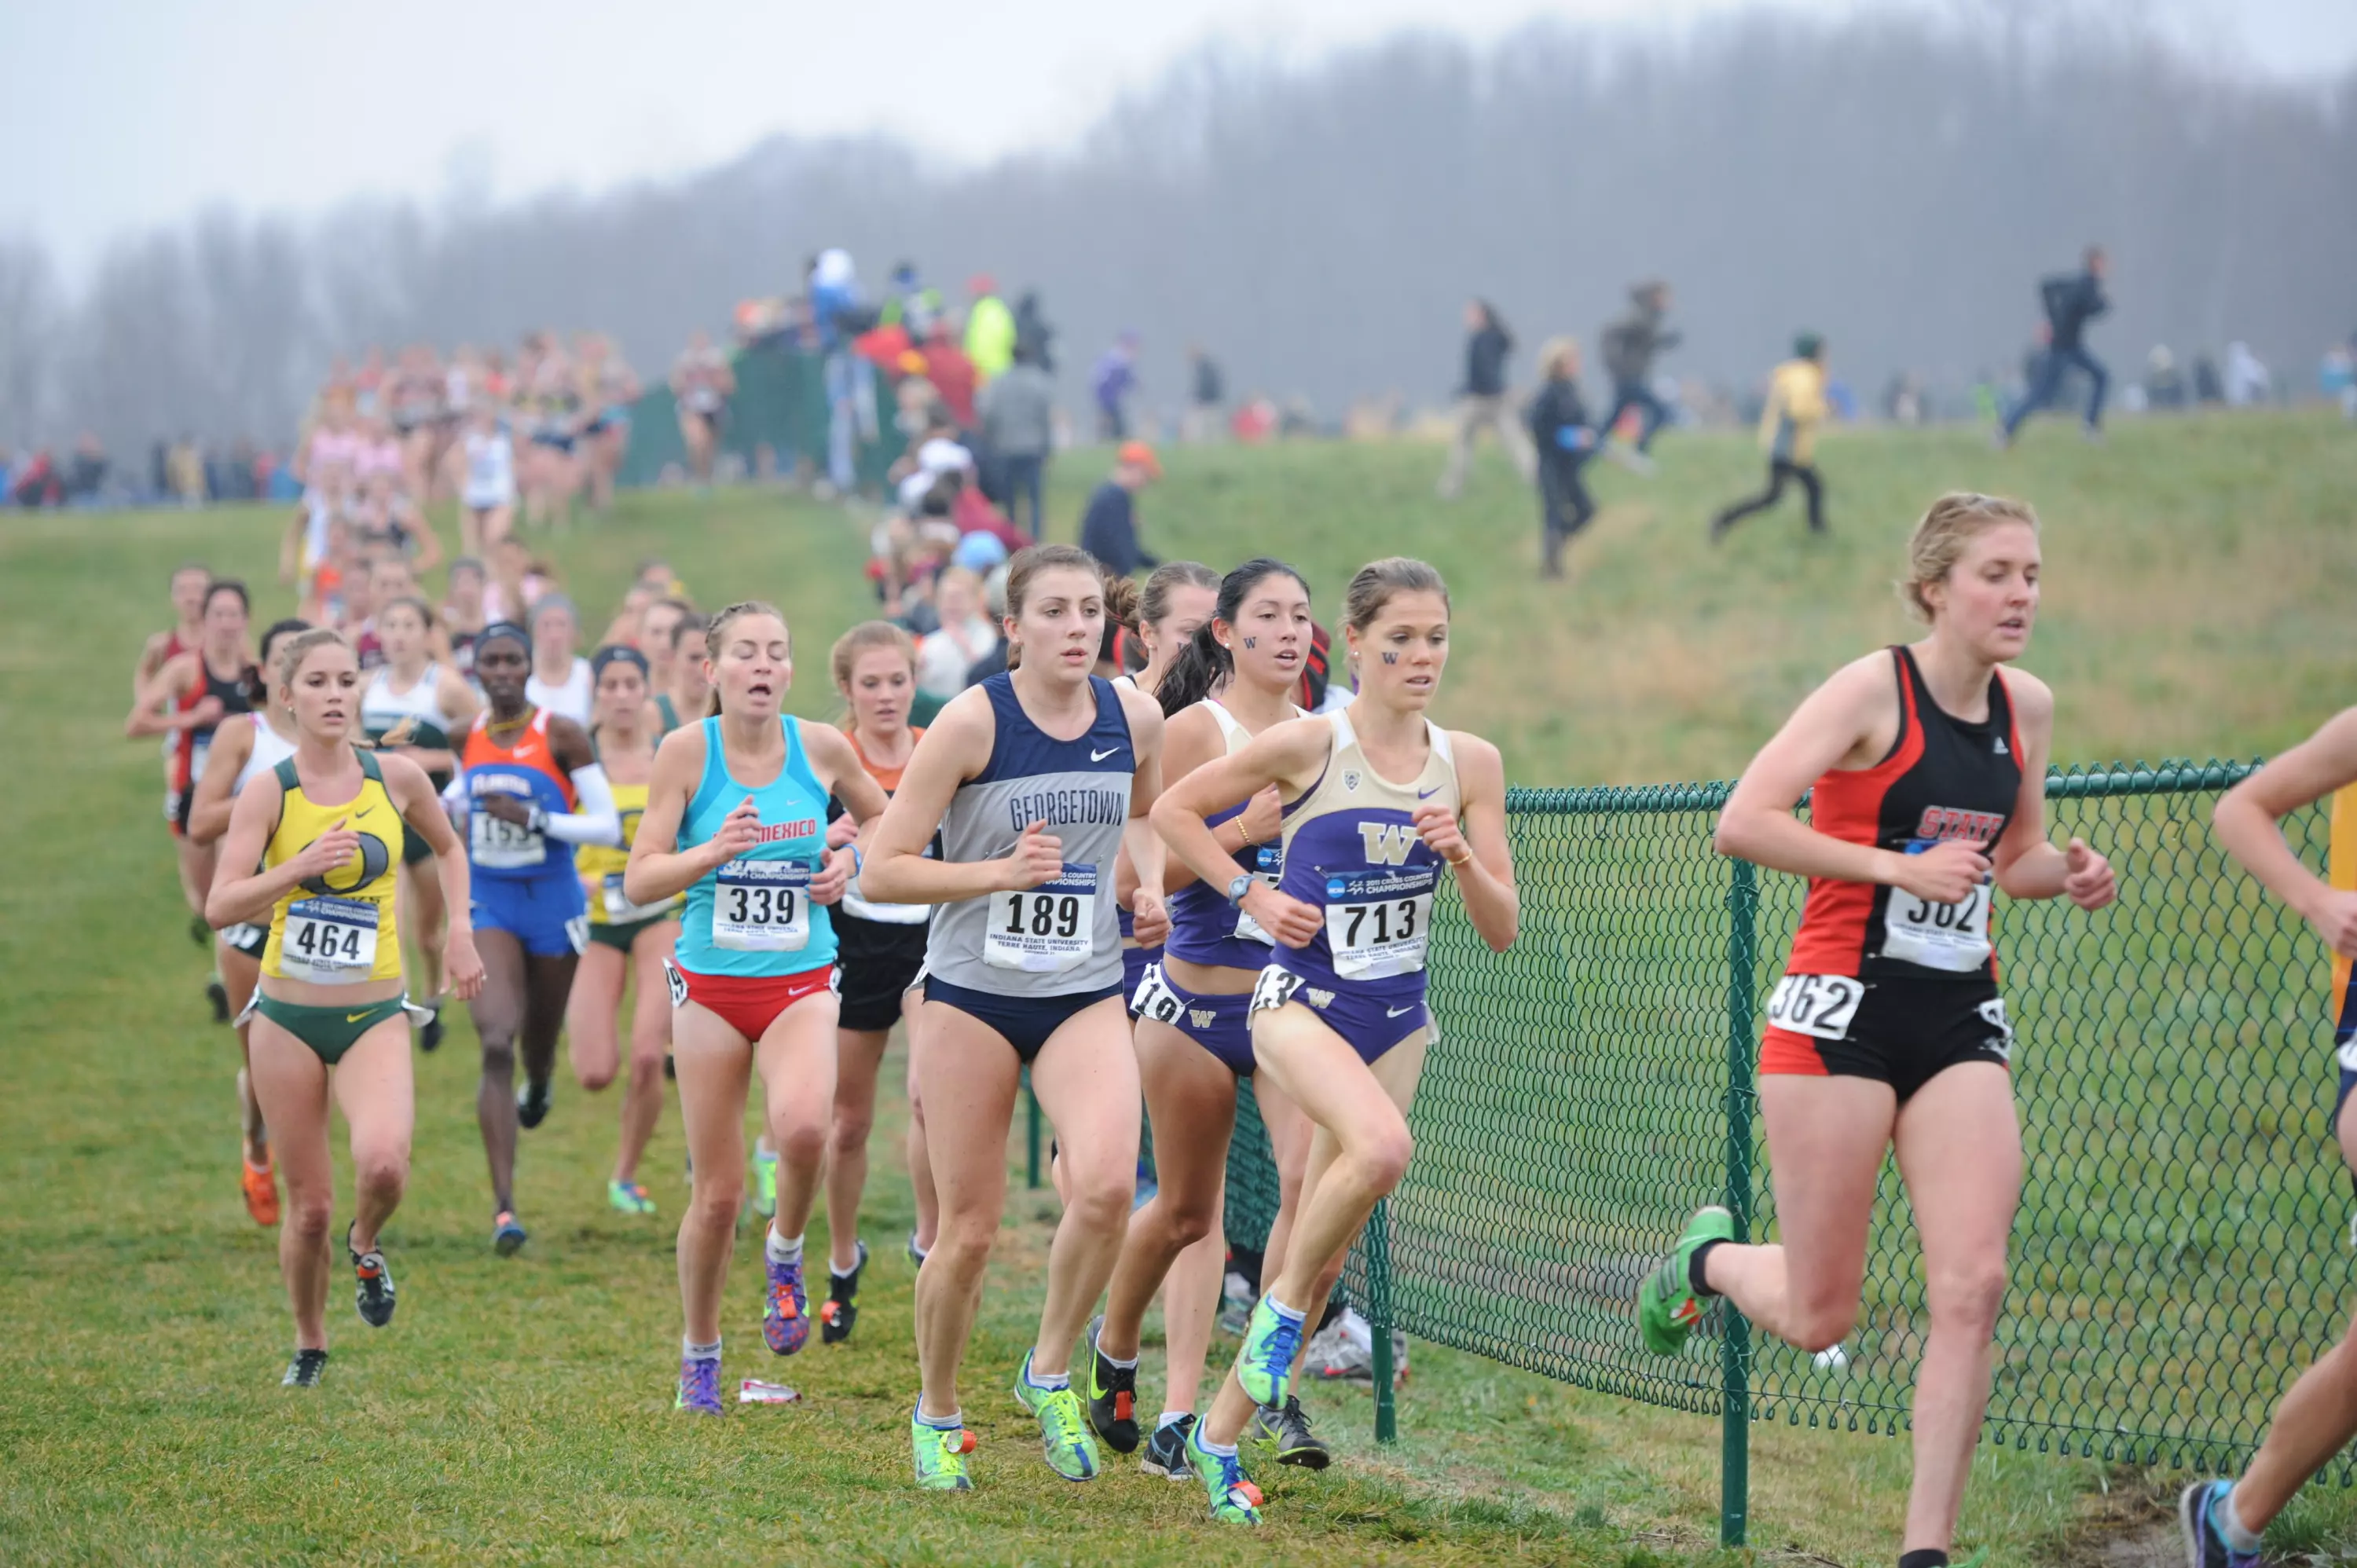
[324, 826]
[736, 819]
[463, 616]
[560, 676]
[626, 941]
[1373, 799]
[486, 486]
[1178, 600]
[882, 951]
[526, 775]
[1034, 780]
[240, 750]
[1194, 1040]
[414, 703]
[690, 692]
[1887, 1032]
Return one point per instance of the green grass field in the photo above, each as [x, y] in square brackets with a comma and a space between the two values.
[518, 1411]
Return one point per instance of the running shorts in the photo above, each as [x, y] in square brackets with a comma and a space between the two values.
[1902, 1032]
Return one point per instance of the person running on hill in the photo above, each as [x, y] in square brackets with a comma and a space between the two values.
[2223, 1519]
[526, 777]
[701, 385]
[1787, 430]
[412, 705]
[1887, 1032]
[185, 634]
[2070, 303]
[1566, 438]
[1235, 679]
[1035, 779]
[628, 943]
[561, 681]
[324, 828]
[243, 749]
[882, 951]
[1632, 343]
[736, 819]
[485, 458]
[1483, 399]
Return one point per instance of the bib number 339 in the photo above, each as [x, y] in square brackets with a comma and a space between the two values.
[761, 906]
[1044, 930]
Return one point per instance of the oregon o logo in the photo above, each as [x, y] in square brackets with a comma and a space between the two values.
[376, 858]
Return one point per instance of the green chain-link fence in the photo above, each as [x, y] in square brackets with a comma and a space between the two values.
[2176, 1259]
[776, 422]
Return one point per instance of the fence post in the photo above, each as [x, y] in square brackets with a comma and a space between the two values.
[1031, 1133]
[1378, 1244]
[1735, 1346]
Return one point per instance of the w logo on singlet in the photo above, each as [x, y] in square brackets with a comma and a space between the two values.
[1203, 1017]
[1387, 844]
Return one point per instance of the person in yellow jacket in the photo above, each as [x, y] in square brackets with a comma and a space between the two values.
[989, 330]
[1788, 429]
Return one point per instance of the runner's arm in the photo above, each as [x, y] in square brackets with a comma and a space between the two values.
[1475, 846]
[209, 809]
[1288, 755]
[148, 714]
[1830, 727]
[242, 894]
[421, 808]
[954, 747]
[1139, 843]
[2028, 864]
[658, 868]
[839, 771]
[2248, 820]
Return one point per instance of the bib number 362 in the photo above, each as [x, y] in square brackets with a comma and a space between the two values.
[1952, 938]
[1820, 1005]
[1044, 930]
[761, 906]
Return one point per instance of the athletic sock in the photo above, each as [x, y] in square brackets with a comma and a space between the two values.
[834, 1273]
[948, 1423]
[781, 1250]
[1128, 1366]
[1695, 1273]
[1223, 1450]
[2229, 1524]
[1924, 1559]
[1167, 1416]
[690, 1350]
[1282, 1310]
[1044, 1381]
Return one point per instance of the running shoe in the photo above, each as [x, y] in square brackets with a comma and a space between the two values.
[1237, 1296]
[430, 1034]
[628, 1198]
[373, 1284]
[1286, 1429]
[1064, 1431]
[218, 994]
[765, 1182]
[1113, 1395]
[304, 1372]
[1265, 1363]
[533, 1101]
[841, 1306]
[941, 1456]
[699, 1386]
[1345, 1350]
[506, 1234]
[785, 1313]
[2205, 1543]
[261, 1191]
[1234, 1501]
[1667, 1306]
[203, 934]
[916, 1253]
[1166, 1451]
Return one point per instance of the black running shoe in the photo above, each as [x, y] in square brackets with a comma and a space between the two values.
[841, 1309]
[218, 994]
[373, 1284]
[1112, 1396]
[532, 1102]
[1166, 1451]
[429, 1036]
[1286, 1429]
[304, 1370]
[203, 934]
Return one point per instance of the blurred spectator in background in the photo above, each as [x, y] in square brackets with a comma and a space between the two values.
[2336, 375]
[839, 317]
[1017, 420]
[953, 374]
[1109, 526]
[185, 468]
[1796, 406]
[1902, 399]
[2247, 381]
[1207, 396]
[911, 305]
[85, 476]
[2164, 386]
[2071, 303]
[34, 482]
[1032, 333]
[701, 383]
[2207, 386]
[1565, 439]
[1632, 343]
[990, 329]
[994, 592]
[965, 638]
[1481, 400]
[1111, 383]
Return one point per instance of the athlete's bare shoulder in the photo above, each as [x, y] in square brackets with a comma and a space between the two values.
[2033, 699]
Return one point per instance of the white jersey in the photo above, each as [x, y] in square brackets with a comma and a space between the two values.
[269, 750]
[491, 469]
[571, 699]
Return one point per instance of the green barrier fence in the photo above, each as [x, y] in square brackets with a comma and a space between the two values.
[776, 423]
[2176, 1260]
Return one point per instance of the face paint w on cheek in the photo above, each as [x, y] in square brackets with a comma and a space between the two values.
[1390, 657]
[1252, 642]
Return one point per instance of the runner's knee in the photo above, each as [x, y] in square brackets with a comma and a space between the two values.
[1967, 1295]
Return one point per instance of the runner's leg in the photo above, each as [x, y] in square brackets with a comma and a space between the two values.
[291, 1083]
[968, 1076]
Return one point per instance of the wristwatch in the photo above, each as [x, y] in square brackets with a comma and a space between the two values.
[1239, 886]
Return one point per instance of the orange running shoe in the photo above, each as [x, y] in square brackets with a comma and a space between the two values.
[261, 1192]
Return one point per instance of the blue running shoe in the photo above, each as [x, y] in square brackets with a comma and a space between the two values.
[1265, 1362]
[1234, 1499]
[508, 1235]
[785, 1314]
[2205, 1542]
[699, 1386]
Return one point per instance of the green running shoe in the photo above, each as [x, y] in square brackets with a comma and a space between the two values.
[1234, 1501]
[765, 1182]
[1070, 1447]
[941, 1455]
[628, 1198]
[1667, 1306]
[1265, 1362]
[1113, 1395]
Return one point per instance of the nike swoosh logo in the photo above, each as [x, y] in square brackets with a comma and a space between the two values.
[1427, 794]
[364, 811]
[354, 1017]
[1101, 756]
[1396, 1012]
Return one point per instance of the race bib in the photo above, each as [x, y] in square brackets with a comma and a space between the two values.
[1274, 989]
[1992, 1013]
[1154, 998]
[328, 941]
[496, 843]
[1953, 938]
[1044, 930]
[1377, 921]
[1819, 1005]
[1268, 868]
[761, 906]
[619, 910]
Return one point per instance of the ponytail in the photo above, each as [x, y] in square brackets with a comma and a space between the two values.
[1195, 673]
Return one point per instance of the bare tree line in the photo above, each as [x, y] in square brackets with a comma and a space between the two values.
[1898, 183]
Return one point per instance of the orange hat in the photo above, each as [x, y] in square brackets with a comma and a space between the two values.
[1138, 454]
[911, 362]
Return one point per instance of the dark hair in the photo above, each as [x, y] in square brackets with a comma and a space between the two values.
[1032, 559]
[612, 653]
[1154, 605]
[257, 676]
[1199, 668]
[503, 630]
[689, 623]
[1376, 582]
[229, 586]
